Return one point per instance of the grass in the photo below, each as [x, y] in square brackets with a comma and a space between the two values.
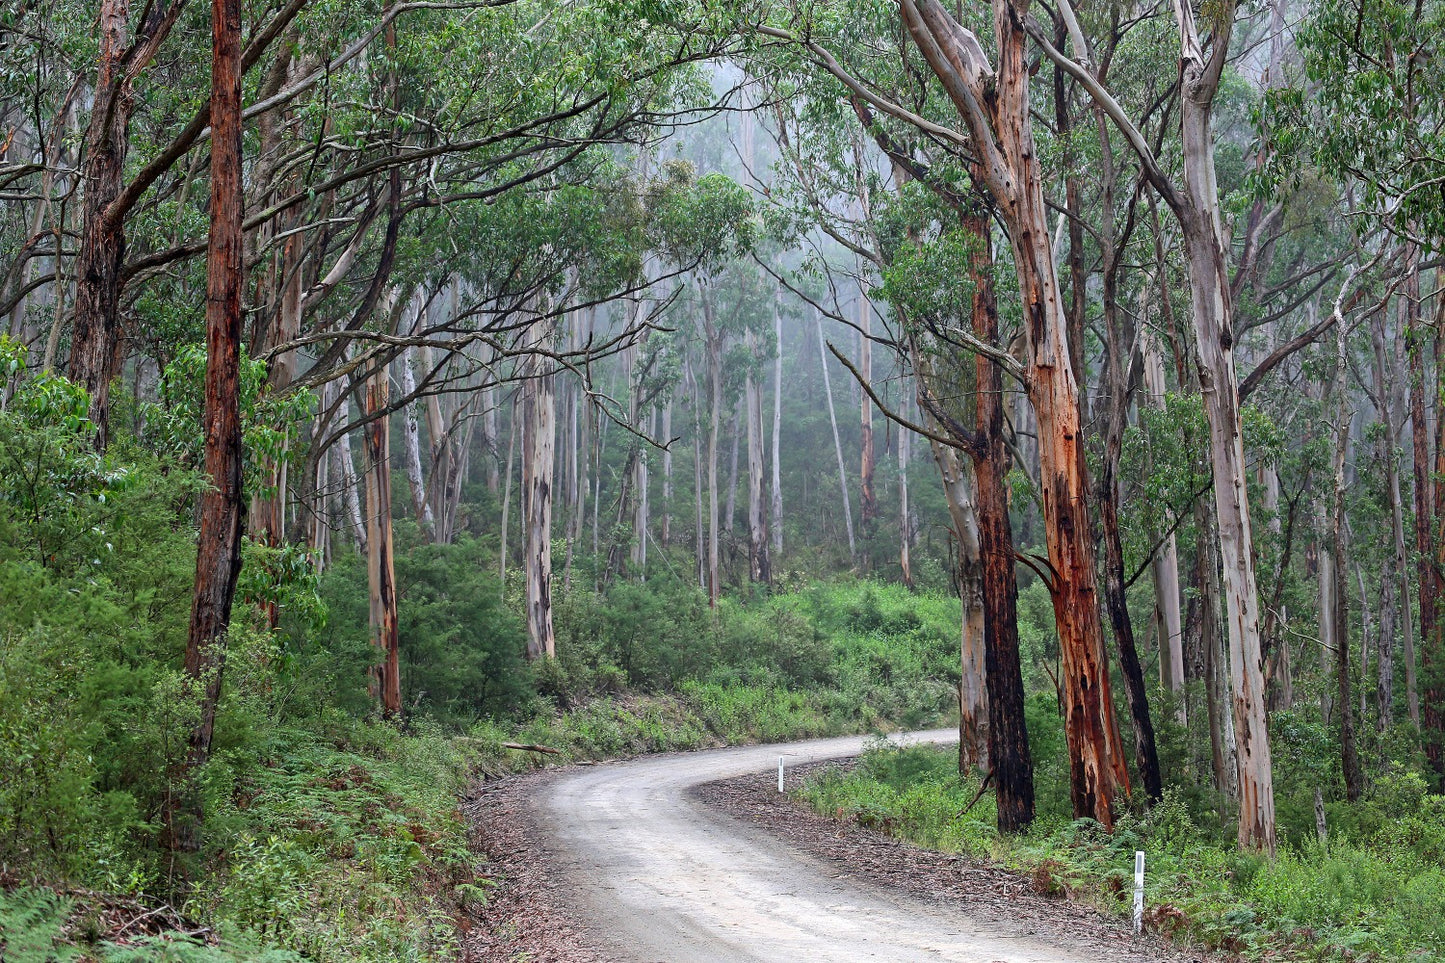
[332, 838]
[1377, 895]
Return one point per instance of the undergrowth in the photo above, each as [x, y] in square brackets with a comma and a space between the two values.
[1377, 895]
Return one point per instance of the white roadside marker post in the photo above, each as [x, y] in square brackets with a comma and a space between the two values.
[780, 774]
[1138, 892]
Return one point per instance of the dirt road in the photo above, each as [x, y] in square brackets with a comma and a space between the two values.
[653, 875]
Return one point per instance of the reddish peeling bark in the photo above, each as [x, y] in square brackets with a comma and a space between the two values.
[995, 105]
[218, 546]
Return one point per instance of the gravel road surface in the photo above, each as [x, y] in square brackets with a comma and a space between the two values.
[649, 873]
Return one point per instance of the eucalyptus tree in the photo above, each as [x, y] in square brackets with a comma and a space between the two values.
[707, 222]
[932, 229]
[991, 98]
[1368, 113]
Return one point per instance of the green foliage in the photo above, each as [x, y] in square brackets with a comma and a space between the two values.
[1374, 895]
[32, 927]
[271, 422]
[461, 649]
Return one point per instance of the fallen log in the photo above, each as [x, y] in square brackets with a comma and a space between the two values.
[528, 748]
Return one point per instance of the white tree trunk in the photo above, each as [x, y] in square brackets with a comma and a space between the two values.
[759, 565]
[1165, 566]
[777, 479]
[539, 431]
[837, 443]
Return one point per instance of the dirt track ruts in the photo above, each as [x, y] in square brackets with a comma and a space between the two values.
[645, 871]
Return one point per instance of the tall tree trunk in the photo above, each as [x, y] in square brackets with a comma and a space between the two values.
[1206, 249]
[1427, 575]
[699, 538]
[837, 443]
[1119, 341]
[714, 372]
[218, 545]
[958, 495]
[665, 522]
[1432, 655]
[95, 331]
[905, 515]
[995, 105]
[491, 438]
[1328, 588]
[1146, 753]
[1395, 581]
[1008, 739]
[760, 568]
[411, 433]
[640, 520]
[351, 488]
[777, 479]
[732, 503]
[380, 565]
[539, 431]
[513, 426]
[1216, 682]
[1349, 754]
[868, 460]
[1165, 565]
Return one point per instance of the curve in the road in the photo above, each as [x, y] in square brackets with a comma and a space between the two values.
[658, 877]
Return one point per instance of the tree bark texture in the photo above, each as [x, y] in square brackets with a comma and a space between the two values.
[539, 430]
[95, 330]
[218, 545]
[776, 487]
[1206, 250]
[380, 563]
[995, 106]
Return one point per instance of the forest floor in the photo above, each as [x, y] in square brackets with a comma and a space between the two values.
[695, 857]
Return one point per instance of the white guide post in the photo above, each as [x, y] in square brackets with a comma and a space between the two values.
[1139, 891]
[780, 774]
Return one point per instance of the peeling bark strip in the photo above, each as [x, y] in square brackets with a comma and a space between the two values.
[380, 565]
[995, 106]
[218, 548]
